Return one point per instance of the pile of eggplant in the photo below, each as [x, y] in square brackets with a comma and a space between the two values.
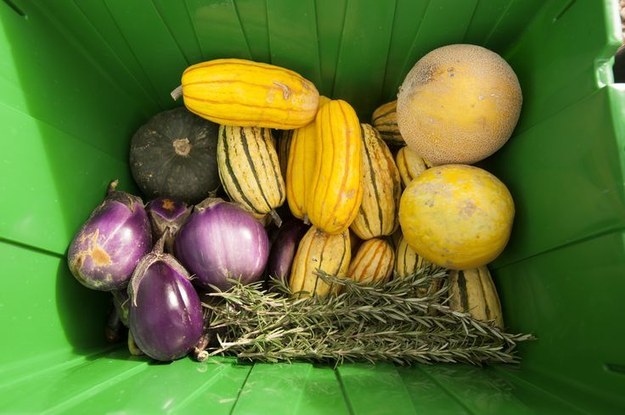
[160, 259]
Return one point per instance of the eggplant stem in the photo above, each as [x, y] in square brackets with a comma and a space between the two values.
[176, 93]
[275, 217]
[160, 244]
[132, 346]
[112, 187]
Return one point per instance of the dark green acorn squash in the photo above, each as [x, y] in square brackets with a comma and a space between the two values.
[174, 155]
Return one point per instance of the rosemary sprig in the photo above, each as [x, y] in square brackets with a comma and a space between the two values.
[383, 322]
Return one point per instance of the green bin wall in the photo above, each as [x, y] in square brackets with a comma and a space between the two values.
[78, 77]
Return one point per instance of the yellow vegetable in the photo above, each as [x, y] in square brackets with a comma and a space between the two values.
[245, 93]
[249, 169]
[336, 188]
[377, 215]
[456, 216]
[458, 104]
[318, 250]
[373, 262]
[409, 164]
[473, 291]
[384, 119]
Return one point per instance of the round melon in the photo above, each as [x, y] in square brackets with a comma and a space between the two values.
[458, 104]
[456, 216]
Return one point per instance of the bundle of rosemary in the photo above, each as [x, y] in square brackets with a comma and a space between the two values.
[383, 322]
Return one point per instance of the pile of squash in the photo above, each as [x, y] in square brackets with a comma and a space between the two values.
[281, 146]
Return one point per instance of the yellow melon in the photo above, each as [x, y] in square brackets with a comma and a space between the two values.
[456, 216]
[458, 104]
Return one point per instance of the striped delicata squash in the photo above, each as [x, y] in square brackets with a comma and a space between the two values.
[377, 215]
[384, 119]
[318, 250]
[473, 291]
[336, 186]
[250, 94]
[249, 169]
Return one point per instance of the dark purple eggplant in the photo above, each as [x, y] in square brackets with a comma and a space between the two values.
[167, 214]
[165, 314]
[284, 247]
[120, 302]
[107, 248]
[221, 240]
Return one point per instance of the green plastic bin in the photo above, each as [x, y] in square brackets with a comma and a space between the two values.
[78, 77]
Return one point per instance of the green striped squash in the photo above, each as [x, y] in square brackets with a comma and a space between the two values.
[377, 215]
[318, 250]
[249, 169]
[384, 119]
[473, 291]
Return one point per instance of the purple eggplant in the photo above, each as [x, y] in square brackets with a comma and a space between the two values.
[167, 214]
[221, 240]
[165, 315]
[284, 247]
[109, 245]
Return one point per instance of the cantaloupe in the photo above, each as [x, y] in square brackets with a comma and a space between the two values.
[456, 216]
[458, 104]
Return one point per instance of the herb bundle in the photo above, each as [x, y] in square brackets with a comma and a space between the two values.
[382, 322]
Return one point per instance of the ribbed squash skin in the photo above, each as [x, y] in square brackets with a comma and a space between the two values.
[300, 167]
[283, 148]
[384, 119]
[409, 164]
[408, 262]
[377, 215]
[336, 188]
[473, 291]
[249, 169]
[318, 250]
[373, 262]
[245, 93]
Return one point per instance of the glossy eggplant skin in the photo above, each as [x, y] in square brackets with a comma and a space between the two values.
[222, 241]
[284, 247]
[165, 313]
[167, 214]
[109, 245]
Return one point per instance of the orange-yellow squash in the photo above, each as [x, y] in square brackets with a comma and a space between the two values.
[336, 188]
[373, 262]
[245, 93]
[318, 250]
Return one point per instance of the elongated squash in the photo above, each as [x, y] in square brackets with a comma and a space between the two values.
[384, 119]
[377, 215]
[318, 250]
[301, 166]
[283, 148]
[373, 262]
[473, 291]
[336, 188]
[245, 93]
[408, 262]
[249, 170]
[300, 169]
[409, 164]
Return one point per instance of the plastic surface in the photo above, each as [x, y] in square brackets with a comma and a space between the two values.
[77, 78]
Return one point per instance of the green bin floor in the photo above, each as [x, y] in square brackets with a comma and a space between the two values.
[114, 382]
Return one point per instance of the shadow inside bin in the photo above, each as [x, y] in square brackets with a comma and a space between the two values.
[82, 313]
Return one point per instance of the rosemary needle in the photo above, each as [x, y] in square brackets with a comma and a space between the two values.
[382, 322]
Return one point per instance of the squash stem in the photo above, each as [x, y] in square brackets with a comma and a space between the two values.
[176, 93]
